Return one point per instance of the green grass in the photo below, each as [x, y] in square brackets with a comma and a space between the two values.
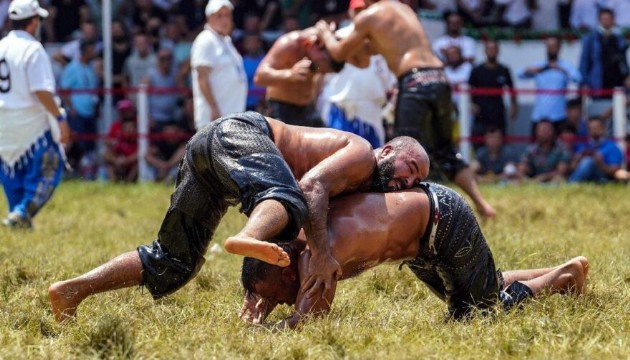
[384, 313]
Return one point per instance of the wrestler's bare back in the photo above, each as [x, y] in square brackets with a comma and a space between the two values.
[396, 33]
[368, 229]
[304, 148]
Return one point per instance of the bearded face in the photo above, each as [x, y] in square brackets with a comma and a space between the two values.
[383, 174]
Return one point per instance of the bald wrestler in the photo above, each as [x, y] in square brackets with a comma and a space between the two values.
[423, 107]
[292, 72]
[282, 176]
[433, 230]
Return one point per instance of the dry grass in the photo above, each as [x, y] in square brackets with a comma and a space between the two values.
[384, 313]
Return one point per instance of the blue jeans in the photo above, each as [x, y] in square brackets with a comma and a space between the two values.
[587, 170]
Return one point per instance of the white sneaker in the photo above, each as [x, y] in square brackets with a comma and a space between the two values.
[17, 221]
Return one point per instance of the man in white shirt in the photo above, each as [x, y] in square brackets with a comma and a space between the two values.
[32, 126]
[454, 37]
[219, 82]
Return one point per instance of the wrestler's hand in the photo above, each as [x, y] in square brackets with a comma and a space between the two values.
[301, 70]
[322, 270]
[324, 27]
[255, 308]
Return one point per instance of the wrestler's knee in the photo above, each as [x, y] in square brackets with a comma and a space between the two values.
[163, 275]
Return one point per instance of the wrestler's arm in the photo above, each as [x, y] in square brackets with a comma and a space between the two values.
[203, 72]
[316, 305]
[348, 167]
[343, 49]
[274, 70]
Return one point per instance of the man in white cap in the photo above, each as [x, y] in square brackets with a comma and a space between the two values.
[219, 81]
[32, 125]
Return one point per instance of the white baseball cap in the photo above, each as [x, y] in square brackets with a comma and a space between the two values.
[24, 9]
[216, 5]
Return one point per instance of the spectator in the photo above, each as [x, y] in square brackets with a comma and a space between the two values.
[4, 16]
[253, 53]
[121, 49]
[547, 159]
[576, 122]
[268, 11]
[164, 102]
[137, 65]
[82, 103]
[174, 39]
[193, 14]
[474, 12]
[357, 96]
[552, 78]
[121, 147]
[457, 70]
[153, 30]
[329, 10]
[599, 159]
[454, 37]
[584, 14]
[546, 16]
[495, 161]
[166, 152]
[219, 82]
[297, 11]
[186, 118]
[71, 50]
[489, 109]
[95, 7]
[621, 9]
[142, 12]
[517, 14]
[624, 174]
[64, 19]
[603, 61]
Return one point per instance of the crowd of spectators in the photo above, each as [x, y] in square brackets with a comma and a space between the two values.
[152, 41]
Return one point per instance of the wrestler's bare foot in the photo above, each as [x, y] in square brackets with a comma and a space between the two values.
[585, 266]
[574, 275]
[261, 250]
[623, 175]
[64, 299]
[486, 210]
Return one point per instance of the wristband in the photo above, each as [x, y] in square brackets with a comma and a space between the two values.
[61, 118]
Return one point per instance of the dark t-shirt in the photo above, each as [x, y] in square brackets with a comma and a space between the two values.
[67, 19]
[496, 165]
[611, 58]
[491, 107]
[258, 7]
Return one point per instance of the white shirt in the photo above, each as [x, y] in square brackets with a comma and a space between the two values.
[227, 78]
[515, 12]
[361, 93]
[24, 68]
[583, 14]
[546, 17]
[467, 45]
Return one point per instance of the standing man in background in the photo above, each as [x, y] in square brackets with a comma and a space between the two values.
[356, 96]
[32, 125]
[219, 82]
[552, 77]
[489, 109]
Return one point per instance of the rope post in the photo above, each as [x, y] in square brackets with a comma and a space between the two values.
[619, 119]
[465, 147]
[143, 132]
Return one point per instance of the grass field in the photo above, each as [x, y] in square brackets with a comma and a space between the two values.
[384, 313]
